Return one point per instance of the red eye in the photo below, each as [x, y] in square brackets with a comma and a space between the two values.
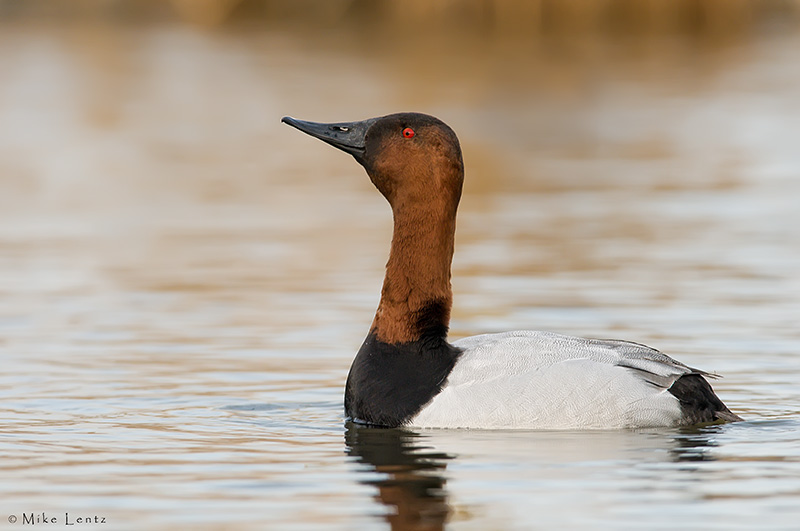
[408, 132]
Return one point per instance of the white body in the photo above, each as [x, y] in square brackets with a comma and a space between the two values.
[541, 380]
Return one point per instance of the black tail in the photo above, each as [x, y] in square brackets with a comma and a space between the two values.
[699, 404]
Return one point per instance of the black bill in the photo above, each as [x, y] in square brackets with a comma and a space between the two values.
[347, 136]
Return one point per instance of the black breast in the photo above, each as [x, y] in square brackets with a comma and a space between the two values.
[390, 383]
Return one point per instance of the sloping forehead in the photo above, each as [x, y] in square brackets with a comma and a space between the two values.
[397, 122]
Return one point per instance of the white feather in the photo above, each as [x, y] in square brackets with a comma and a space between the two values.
[541, 380]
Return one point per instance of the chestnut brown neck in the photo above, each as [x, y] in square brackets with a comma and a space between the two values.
[416, 297]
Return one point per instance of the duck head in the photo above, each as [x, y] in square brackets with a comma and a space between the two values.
[411, 158]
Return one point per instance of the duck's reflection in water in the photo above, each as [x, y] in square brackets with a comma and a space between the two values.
[409, 468]
[695, 444]
[411, 482]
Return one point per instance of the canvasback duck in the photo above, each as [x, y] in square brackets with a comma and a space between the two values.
[407, 373]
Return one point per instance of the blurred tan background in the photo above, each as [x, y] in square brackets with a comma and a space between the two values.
[140, 140]
[694, 16]
[164, 81]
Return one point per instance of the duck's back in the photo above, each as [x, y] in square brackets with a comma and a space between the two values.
[541, 380]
